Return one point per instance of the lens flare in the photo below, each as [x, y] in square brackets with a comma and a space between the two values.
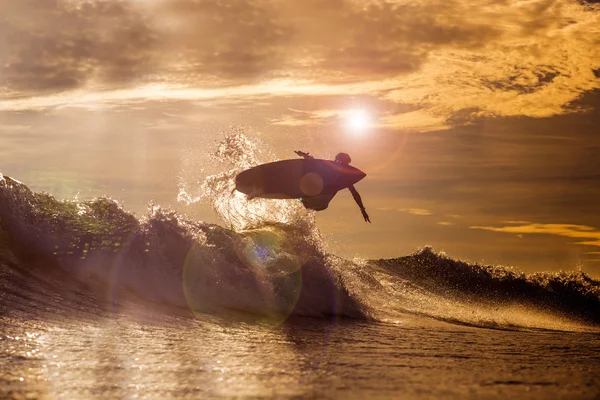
[260, 282]
[268, 253]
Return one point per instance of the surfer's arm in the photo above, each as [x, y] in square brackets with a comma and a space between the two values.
[303, 154]
[359, 202]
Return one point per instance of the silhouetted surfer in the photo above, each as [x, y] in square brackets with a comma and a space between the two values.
[320, 202]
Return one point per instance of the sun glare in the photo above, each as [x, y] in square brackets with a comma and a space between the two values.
[358, 120]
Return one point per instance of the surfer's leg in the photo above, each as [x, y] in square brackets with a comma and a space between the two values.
[317, 203]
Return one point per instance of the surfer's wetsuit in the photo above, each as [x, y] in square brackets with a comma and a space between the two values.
[321, 201]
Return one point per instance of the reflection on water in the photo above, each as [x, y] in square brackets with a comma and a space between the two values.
[133, 356]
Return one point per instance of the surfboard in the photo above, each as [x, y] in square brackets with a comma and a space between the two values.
[297, 178]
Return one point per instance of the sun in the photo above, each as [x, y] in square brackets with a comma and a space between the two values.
[358, 120]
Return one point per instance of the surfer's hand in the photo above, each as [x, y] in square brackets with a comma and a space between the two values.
[365, 215]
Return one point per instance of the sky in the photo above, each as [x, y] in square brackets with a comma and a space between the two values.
[476, 121]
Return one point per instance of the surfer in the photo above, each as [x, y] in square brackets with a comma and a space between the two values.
[320, 202]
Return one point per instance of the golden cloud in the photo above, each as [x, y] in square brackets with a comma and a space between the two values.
[416, 211]
[413, 211]
[466, 59]
[566, 230]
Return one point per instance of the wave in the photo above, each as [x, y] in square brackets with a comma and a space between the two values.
[72, 257]
[493, 296]
[165, 258]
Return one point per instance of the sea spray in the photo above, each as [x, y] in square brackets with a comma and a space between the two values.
[235, 153]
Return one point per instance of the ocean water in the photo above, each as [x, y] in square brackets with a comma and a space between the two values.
[96, 302]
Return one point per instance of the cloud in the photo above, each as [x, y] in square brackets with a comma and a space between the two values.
[237, 41]
[309, 117]
[565, 230]
[417, 211]
[445, 223]
[591, 243]
[413, 211]
[64, 44]
[420, 120]
[544, 59]
[229, 95]
[451, 61]
[52, 46]
[323, 117]
[14, 128]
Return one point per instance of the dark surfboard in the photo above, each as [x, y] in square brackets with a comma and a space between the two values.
[297, 178]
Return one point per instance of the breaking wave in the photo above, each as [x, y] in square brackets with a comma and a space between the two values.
[267, 262]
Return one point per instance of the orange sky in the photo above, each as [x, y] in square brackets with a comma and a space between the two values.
[482, 136]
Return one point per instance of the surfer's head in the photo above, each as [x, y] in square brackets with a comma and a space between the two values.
[343, 158]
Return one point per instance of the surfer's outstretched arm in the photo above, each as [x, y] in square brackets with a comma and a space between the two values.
[359, 202]
[303, 154]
